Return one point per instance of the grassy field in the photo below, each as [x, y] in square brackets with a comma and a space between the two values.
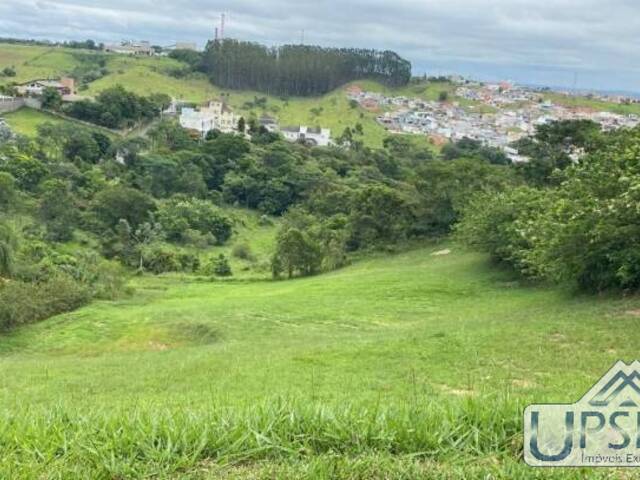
[395, 367]
[26, 120]
[33, 61]
[597, 105]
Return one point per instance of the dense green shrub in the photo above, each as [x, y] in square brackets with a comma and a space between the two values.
[221, 267]
[503, 224]
[180, 214]
[585, 231]
[160, 258]
[243, 252]
[8, 191]
[115, 107]
[23, 302]
[8, 244]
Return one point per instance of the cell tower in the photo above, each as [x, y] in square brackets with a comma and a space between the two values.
[216, 34]
[222, 18]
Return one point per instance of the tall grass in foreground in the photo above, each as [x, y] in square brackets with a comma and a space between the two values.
[291, 437]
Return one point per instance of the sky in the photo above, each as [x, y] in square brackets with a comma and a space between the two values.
[592, 44]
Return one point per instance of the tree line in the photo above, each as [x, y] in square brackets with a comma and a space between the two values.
[298, 70]
[575, 218]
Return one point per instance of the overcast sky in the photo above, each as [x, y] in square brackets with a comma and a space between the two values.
[553, 42]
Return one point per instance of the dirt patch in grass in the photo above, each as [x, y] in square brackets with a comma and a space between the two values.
[519, 383]
[458, 392]
[158, 346]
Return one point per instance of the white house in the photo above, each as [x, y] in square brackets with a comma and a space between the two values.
[65, 85]
[213, 116]
[311, 136]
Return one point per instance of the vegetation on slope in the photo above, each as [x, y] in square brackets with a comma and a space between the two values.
[298, 70]
[581, 223]
[402, 359]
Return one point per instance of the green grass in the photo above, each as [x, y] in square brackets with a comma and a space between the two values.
[402, 364]
[144, 75]
[26, 121]
[32, 62]
[598, 105]
[248, 230]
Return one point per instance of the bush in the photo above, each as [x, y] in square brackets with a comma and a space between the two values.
[500, 223]
[23, 302]
[196, 239]
[584, 231]
[9, 72]
[243, 252]
[218, 266]
[179, 215]
[159, 258]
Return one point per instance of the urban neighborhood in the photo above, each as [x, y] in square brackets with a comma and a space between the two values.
[495, 114]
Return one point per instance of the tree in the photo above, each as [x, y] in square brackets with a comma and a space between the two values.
[8, 72]
[242, 125]
[8, 191]
[82, 146]
[121, 202]
[27, 170]
[221, 267]
[57, 210]
[296, 252]
[378, 214]
[470, 148]
[7, 249]
[181, 214]
[133, 243]
[51, 98]
[443, 96]
[299, 70]
[584, 230]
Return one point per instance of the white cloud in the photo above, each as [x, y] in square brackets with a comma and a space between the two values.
[598, 39]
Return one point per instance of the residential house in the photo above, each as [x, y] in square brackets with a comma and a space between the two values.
[213, 116]
[65, 85]
[311, 136]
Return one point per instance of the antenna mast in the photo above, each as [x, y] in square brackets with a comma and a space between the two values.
[222, 18]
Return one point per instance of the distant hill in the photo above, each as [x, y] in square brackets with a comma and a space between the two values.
[145, 75]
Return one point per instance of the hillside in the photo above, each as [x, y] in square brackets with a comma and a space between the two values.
[247, 307]
[412, 329]
[155, 75]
